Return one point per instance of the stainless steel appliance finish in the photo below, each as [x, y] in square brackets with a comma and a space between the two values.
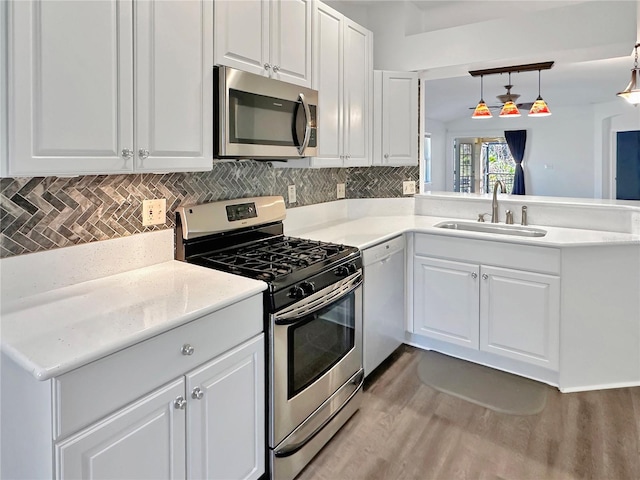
[259, 117]
[313, 318]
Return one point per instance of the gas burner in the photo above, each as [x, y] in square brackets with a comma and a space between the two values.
[273, 258]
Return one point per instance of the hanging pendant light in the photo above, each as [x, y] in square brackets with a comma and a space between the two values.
[632, 93]
[539, 107]
[481, 111]
[509, 109]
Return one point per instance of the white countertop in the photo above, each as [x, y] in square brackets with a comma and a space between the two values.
[55, 331]
[368, 231]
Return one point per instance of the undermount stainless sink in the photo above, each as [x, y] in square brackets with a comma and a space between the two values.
[493, 228]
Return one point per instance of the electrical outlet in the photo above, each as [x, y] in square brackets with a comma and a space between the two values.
[154, 212]
[409, 187]
[341, 190]
[292, 194]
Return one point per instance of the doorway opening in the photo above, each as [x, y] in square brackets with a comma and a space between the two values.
[479, 162]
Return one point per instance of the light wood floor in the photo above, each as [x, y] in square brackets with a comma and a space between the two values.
[407, 430]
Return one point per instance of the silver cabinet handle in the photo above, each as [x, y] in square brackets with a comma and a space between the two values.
[485, 276]
[127, 153]
[187, 349]
[197, 393]
[180, 403]
[267, 66]
[348, 156]
[275, 68]
[143, 153]
[386, 155]
[474, 275]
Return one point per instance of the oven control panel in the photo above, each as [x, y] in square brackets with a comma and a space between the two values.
[241, 211]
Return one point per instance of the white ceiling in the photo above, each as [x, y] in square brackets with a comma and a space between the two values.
[564, 85]
[575, 79]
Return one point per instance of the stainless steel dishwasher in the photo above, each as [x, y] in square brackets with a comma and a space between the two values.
[383, 319]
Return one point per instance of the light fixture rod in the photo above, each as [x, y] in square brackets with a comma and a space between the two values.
[528, 67]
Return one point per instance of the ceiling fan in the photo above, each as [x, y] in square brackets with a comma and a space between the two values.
[505, 97]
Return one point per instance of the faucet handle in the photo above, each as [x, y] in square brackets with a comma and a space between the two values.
[481, 216]
[509, 217]
[524, 216]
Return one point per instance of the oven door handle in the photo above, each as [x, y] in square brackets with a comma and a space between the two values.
[318, 300]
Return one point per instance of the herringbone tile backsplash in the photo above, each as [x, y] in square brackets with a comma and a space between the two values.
[42, 213]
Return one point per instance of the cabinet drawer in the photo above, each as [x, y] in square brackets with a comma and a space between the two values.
[88, 393]
[525, 257]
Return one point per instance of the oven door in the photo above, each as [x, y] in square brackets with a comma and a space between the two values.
[316, 348]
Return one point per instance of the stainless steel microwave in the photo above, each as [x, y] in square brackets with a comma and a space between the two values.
[259, 117]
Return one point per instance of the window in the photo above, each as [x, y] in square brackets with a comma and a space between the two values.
[498, 164]
[426, 163]
[479, 162]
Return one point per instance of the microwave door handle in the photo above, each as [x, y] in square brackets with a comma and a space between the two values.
[307, 128]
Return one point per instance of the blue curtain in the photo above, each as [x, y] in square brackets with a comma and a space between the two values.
[516, 140]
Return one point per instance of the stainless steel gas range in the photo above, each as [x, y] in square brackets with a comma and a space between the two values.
[313, 318]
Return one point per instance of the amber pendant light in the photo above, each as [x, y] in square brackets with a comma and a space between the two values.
[481, 111]
[632, 93]
[509, 109]
[539, 107]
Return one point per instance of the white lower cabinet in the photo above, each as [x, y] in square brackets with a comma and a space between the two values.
[143, 440]
[511, 312]
[520, 315]
[446, 303]
[188, 403]
[210, 423]
[226, 415]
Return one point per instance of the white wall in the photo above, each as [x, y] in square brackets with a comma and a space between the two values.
[594, 33]
[559, 155]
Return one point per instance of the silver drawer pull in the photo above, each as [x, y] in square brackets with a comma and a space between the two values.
[485, 276]
[127, 153]
[143, 153]
[474, 275]
[187, 349]
[180, 403]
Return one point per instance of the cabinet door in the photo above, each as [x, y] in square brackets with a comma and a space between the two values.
[242, 34]
[290, 44]
[519, 315]
[327, 79]
[227, 423]
[445, 301]
[358, 84]
[145, 440]
[70, 84]
[174, 85]
[399, 118]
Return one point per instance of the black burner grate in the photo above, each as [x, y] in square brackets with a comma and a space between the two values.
[272, 258]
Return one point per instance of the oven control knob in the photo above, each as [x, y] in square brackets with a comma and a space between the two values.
[296, 292]
[342, 271]
[352, 268]
[308, 288]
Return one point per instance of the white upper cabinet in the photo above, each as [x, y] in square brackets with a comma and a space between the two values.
[343, 76]
[266, 37]
[395, 118]
[70, 87]
[174, 85]
[73, 106]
